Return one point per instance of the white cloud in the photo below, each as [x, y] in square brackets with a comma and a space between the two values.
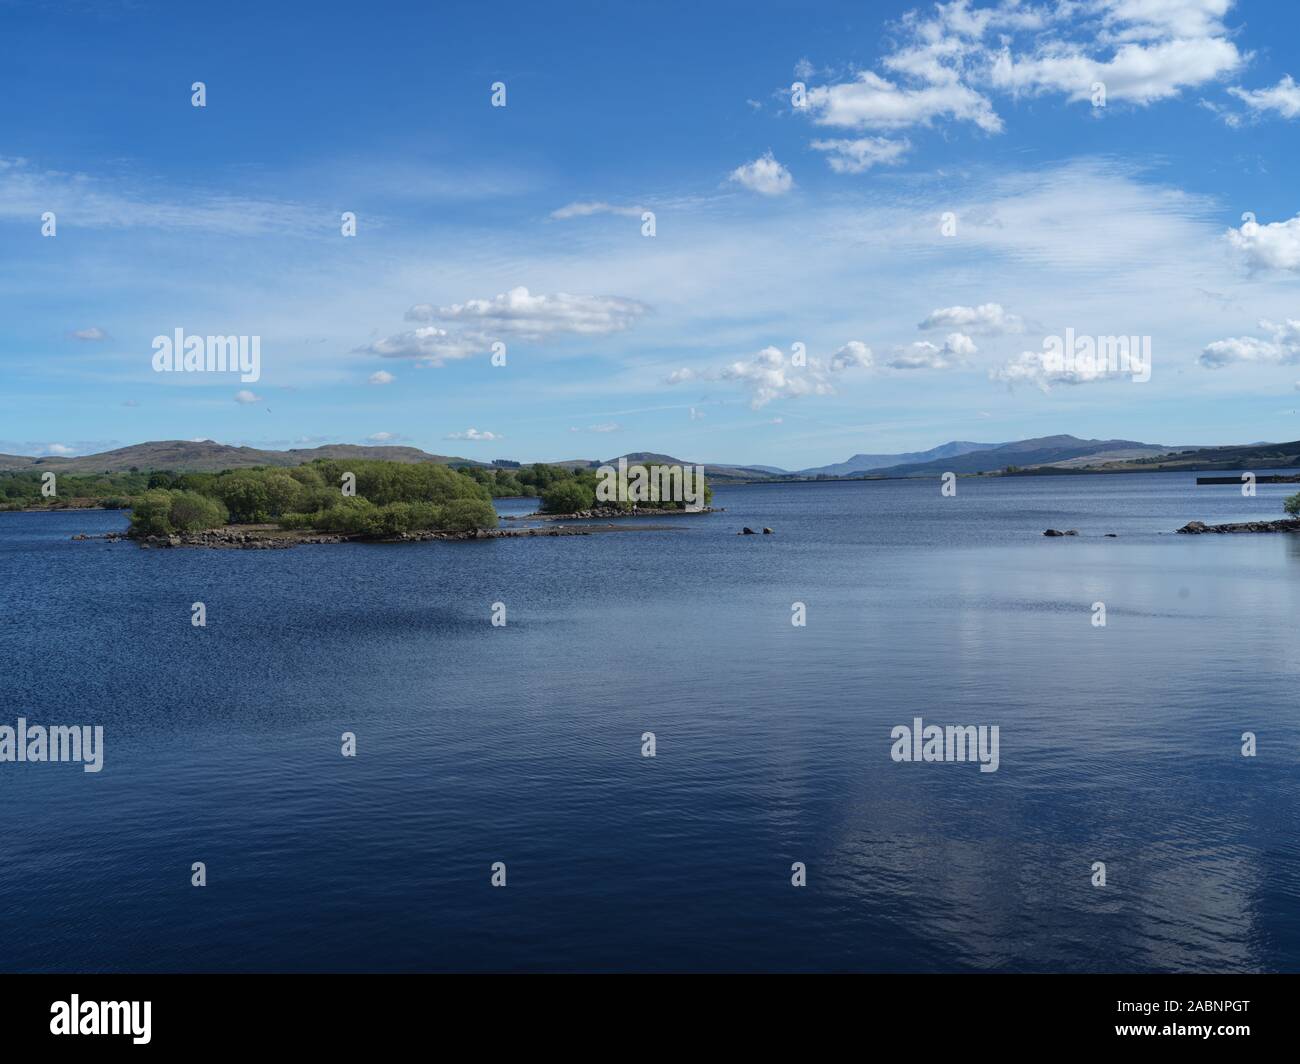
[947, 64]
[474, 436]
[382, 377]
[1284, 98]
[769, 375]
[94, 333]
[872, 102]
[989, 318]
[1034, 367]
[853, 355]
[1275, 246]
[587, 208]
[536, 316]
[609, 426]
[696, 415]
[382, 437]
[1281, 346]
[924, 355]
[765, 176]
[858, 156]
[1139, 73]
[245, 397]
[430, 344]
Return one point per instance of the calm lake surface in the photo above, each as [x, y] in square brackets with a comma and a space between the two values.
[522, 744]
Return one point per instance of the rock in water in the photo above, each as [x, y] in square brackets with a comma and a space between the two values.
[767, 531]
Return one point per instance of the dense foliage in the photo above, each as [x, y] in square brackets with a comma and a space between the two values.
[568, 492]
[383, 499]
[390, 497]
[1292, 504]
[20, 490]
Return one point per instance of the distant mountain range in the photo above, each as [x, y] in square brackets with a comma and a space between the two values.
[1065, 454]
[866, 463]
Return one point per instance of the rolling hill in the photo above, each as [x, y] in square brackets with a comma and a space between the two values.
[207, 457]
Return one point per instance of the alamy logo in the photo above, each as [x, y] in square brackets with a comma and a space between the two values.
[58, 742]
[1096, 356]
[956, 742]
[659, 483]
[179, 353]
[102, 1017]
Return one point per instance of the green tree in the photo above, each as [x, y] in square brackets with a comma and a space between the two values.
[461, 515]
[151, 514]
[1292, 504]
[567, 497]
[192, 512]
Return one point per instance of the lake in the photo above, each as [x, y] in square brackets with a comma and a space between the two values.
[523, 744]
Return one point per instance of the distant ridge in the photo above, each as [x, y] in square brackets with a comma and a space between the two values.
[1043, 454]
[1040, 451]
[866, 463]
[205, 456]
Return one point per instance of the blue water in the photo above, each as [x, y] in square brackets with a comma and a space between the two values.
[522, 744]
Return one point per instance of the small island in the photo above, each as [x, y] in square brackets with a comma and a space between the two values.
[1282, 524]
[333, 501]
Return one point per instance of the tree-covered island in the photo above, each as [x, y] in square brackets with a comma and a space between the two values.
[348, 497]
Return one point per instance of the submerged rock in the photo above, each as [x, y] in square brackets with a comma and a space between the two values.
[1058, 532]
[767, 531]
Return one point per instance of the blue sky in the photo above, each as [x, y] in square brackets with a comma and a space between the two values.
[775, 224]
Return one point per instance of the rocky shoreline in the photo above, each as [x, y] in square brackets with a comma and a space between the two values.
[256, 537]
[1200, 528]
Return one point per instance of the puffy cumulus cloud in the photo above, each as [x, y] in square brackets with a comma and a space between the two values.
[1275, 246]
[1283, 98]
[853, 355]
[246, 398]
[429, 344]
[382, 377]
[768, 376]
[1140, 50]
[924, 355]
[1040, 370]
[1141, 73]
[384, 437]
[1281, 345]
[872, 102]
[764, 175]
[771, 374]
[860, 155]
[520, 313]
[989, 318]
[952, 60]
[474, 436]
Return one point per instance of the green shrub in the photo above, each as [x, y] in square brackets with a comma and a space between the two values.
[461, 515]
[1292, 505]
[567, 497]
[192, 512]
[151, 514]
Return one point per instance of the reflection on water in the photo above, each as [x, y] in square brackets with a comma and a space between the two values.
[522, 744]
